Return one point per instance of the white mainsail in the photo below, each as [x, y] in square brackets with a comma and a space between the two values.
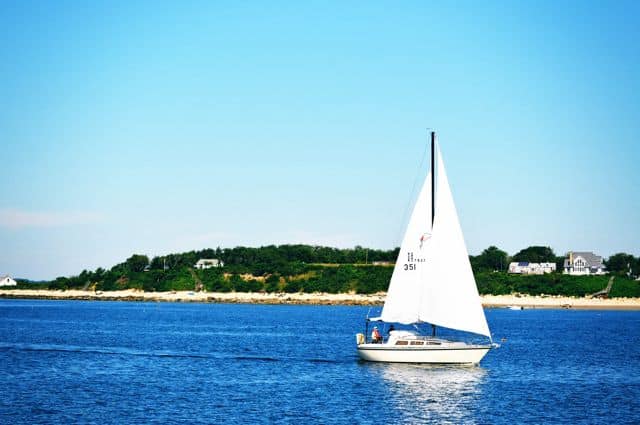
[432, 280]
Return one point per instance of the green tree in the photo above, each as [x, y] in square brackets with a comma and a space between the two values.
[60, 283]
[491, 258]
[136, 263]
[560, 264]
[621, 263]
[249, 285]
[536, 254]
[272, 283]
[236, 282]
[293, 286]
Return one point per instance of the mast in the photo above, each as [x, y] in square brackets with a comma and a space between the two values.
[433, 196]
[433, 177]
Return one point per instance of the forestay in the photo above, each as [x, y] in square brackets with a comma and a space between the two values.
[403, 297]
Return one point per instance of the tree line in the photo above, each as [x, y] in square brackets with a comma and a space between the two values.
[305, 268]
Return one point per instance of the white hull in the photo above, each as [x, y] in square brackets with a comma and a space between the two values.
[446, 353]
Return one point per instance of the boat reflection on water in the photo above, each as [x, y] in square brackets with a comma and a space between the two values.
[430, 393]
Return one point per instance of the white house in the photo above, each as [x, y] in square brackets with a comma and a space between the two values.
[207, 263]
[7, 281]
[525, 267]
[581, 263]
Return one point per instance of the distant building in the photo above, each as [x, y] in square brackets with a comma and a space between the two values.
[207, 263]
[525, 267]
[7, 281]
[582, 263]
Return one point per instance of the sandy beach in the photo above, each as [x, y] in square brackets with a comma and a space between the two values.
[490, 301]
[550, 301]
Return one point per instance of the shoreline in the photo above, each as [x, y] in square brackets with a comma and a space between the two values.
[559, 302]
[488, 301]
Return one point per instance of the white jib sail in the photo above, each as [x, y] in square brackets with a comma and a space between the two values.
[450, 296]
[402, 304]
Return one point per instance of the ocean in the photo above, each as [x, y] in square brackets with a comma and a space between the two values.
[140, 363]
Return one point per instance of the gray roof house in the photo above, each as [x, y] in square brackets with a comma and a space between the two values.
[581, 263]
[525, 267]
[207, 263]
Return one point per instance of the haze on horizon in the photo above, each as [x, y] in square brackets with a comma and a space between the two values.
[161, 127]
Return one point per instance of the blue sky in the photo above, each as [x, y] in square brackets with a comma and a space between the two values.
[159, 127]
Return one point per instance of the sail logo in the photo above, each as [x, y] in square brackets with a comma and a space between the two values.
[424, 237]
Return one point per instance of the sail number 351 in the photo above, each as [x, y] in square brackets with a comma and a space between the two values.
[410, 265]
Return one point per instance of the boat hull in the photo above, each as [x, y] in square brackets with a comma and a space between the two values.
[456, 354]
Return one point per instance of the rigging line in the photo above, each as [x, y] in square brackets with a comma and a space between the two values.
[412, 195]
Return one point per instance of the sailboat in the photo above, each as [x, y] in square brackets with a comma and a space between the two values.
[432, 283]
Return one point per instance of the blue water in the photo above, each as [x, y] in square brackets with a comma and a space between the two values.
[117, 362]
